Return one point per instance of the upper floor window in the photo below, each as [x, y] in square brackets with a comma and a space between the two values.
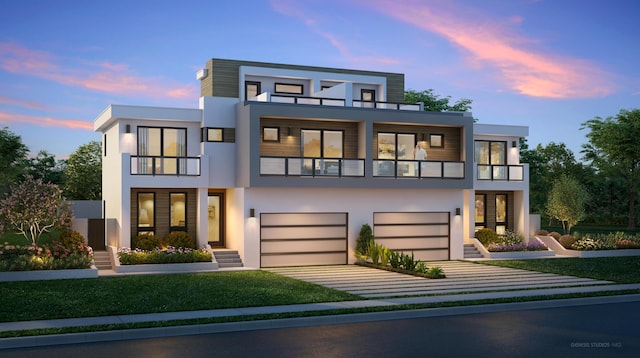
[162, 142]
[322, 143]
[368, 95]
[490, 152]
[289, 88]
[251, 89]
[396, 146]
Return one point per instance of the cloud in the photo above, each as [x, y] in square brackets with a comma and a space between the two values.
[104, 77]
[45, 121]
[294, 9]
[488, 44]
[23, 103]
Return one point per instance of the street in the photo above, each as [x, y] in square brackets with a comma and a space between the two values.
[610, 330]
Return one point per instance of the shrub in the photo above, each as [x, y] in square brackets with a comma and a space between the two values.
[365, 237]
[567, 241]
[147, 242]
[511, 237]
[51, 257]
[179, 239]
[542, 233]
[374, 252]
[421, 267]
[159, 256]
[627, 244]
[395, 259]
[486, 236]
[435, 272]
[408, 262]
[70, 239]
[586, 243]
[555, 235]
[532, 246]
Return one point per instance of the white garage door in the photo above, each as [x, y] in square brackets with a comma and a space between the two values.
[426, 234]
[302, 239]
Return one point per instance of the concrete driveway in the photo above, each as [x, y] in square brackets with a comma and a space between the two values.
[462, 277]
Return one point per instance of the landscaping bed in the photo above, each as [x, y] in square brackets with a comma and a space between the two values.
[593, 245]
[509, 246]
[173, 261]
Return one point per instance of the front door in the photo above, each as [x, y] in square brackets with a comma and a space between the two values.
[216, 219]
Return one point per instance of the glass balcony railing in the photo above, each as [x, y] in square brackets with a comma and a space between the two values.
[311, 167]
[320, 101]
[153, 165]
[500, 172]
[418, 169]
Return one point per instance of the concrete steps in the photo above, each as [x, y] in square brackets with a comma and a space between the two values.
[101, 260]
[470, 252]
[227, 258]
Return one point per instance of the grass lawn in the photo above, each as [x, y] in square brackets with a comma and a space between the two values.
[618, 269]
[37, 300]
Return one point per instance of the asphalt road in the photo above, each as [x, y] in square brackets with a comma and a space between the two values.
[603, 330]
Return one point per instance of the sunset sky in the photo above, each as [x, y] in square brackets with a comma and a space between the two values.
[547, 64]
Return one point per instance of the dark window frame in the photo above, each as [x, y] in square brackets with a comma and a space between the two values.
[146, 229]
[372, 92]
[431, 138]
[277, 129]
[186, 216]
[484, 209]
[321, 141]
[490, 142]
[301, 86]
[415, 138]
[206, 134]
[504, 223]
[248, 83]
[186, 140]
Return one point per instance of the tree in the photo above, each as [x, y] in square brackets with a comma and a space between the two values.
[32, 208]
[567, 202]
[83, 174]
[44, 166]
[13, 158]
[614, 146]
[434, 103]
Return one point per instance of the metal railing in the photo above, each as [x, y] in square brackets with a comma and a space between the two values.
[418, 169]
[308, 100]
[338, 102]
[387, 105]
[500, 172]
[311, 167]
[154, 165]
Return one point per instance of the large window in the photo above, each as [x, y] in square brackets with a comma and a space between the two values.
[480, 211]
[146, 213]
[169, 143]
[178, 211]
[289, 88]
[491, 158]
[322, 143]
[396, 146]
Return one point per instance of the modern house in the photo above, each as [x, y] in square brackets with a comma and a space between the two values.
[285, 163]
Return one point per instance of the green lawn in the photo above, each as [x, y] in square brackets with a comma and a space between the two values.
[36, 300]
[617, 269]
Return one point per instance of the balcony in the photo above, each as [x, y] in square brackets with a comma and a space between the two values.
[336, 102]
[311, 167]
[500, 172]
[176, 166]
[418, 169]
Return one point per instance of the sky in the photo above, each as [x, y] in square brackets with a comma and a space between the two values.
[550, 65]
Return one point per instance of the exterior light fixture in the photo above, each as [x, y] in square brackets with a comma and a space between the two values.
[514, 144]
[457, 211]
[289, 131]
[252, 213]
[128, 128]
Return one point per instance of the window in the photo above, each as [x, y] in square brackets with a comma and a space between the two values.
[491, 158]
[104, 145]
[436, 140]
[501, 214]
[146, 213]
[178, 211]
[215, 135]
[271, 134]
[368, 95]
[480, 211]
[396, 146]
[322, 143]
[289, 88]
[168, 143]
[251, 89]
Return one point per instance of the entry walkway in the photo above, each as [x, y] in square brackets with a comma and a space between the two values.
[462, 277]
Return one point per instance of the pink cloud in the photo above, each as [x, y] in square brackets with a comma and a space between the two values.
[104, 77]
[532, 72]
[23, 103]
[45, 121]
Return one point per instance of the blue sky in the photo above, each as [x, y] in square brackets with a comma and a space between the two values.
[547, 64]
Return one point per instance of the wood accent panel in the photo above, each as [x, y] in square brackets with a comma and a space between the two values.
[452, 149]
[289, 146]
[223, 77]
[163, 210]
[294, 239]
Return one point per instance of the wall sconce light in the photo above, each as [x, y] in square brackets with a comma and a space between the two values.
[514, 144]
[252, 213]
[128, 128]
[457, 211]
[289, 131]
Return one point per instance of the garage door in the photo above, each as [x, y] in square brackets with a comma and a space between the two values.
[426, 234]
[301, 239]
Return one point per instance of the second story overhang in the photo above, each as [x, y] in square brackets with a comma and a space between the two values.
[359, 163]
